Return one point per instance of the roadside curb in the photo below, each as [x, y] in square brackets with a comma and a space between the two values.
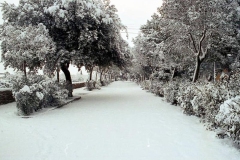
[70, 100]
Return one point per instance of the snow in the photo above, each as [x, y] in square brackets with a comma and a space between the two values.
[25, 89]
[5, 89]
[61, 13]
[89, 5]
[55, 9]
[238, 9]
[229, 111]
[118, 122]
[99, 12]
[52, 9]
[39, 95]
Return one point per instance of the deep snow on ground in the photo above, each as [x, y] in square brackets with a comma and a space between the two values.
[118, 122]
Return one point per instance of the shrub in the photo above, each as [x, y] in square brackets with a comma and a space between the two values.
[213, 96]
[36, 92]
[170, 92]
[232, 83]
[154, 87]
[54, 93]
[104, 82]
[185, 95]
[4, 83]
[162, 75]
[91, 84]
[146, 85]
[98, 85]
[217, 104]
[202, 100]
[27, 101]
[228, 118]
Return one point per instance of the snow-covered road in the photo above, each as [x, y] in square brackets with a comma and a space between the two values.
[118, 122]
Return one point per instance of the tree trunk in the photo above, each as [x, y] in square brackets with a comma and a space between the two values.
[58, 70]
[25, 69]
[101, 72]
[173, 74]
[64, 68]
[201, 54]
[197, 69]
[90, 76]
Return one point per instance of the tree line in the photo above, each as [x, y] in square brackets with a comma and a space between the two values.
[51, 35]
[189, 36]
[180, 50]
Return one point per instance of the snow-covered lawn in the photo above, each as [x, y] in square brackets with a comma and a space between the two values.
[118, 122]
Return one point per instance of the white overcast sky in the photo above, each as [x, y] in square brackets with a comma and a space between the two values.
[133, 14]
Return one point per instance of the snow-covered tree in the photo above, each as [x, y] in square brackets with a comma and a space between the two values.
[105, 46]
[26, 47]
[199, 27]
[85, 32]
[148, 49]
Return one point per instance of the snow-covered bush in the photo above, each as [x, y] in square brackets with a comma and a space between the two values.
[185, 96]
[159, 91]
[27, 100]
[162, 75]
[98, 85]
[228, 118]
[54, 93]
[146, 85]
[104, 82]
[4, 83]
[156, 87]
[201, 99]
[232, 83]
[209, 101]
[171, 91]
[36, 92]
[213, 95]
[18, 82]
[91, 84]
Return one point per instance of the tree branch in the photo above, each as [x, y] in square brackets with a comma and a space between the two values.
[201, 40]
[204, 53]
[201, 48]
[193, 42]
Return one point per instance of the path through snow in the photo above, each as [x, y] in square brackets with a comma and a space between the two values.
[118, 122]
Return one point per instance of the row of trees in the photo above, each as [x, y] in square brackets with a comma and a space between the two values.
[49, 35]
[188, 40]
[190, 36]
